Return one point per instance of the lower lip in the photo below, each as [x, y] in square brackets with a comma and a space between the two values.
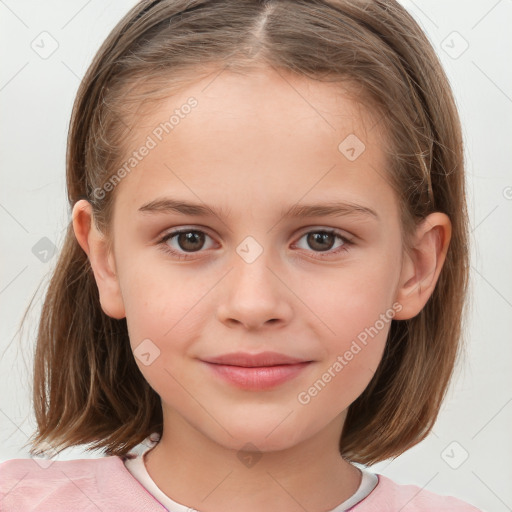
[257, 378]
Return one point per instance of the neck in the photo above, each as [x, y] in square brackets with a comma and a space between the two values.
[195, 471]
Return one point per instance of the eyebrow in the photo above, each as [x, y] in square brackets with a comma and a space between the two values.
[329, 209]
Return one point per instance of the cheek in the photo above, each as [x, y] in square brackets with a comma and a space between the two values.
[164, 315]
[158, 298]
[353, 346]
[156, 316]
[353, 309]
[347, 300]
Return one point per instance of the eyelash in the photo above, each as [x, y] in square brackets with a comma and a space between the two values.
[165, 247]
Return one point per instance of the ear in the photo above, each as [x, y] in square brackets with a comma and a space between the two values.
[94, 243]
[421, 268]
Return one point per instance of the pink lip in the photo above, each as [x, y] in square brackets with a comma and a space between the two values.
[256, 371]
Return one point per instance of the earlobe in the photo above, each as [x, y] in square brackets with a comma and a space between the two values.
[422, 266]
[94, 244]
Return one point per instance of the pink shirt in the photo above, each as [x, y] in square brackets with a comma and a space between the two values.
[105, 485]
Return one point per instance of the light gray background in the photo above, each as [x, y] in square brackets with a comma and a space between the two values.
[36, 95]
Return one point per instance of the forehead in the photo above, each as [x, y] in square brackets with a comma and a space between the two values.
[266, 137]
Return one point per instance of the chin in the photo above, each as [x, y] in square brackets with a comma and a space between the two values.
[261, 436]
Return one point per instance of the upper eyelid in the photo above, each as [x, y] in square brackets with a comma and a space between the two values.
[347, 237]
[336, 231]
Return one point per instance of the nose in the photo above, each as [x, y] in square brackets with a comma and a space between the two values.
[254, 295]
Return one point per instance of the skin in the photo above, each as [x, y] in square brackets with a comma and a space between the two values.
[257, 144]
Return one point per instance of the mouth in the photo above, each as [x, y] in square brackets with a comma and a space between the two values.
[261, 371]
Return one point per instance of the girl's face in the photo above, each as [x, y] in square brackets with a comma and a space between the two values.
[256, 276]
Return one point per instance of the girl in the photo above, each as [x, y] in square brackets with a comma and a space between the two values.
[312, 152]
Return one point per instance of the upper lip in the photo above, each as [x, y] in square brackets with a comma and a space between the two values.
[252, 360]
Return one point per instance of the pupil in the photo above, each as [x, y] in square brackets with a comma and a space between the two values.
[188, 241]
[320, 237]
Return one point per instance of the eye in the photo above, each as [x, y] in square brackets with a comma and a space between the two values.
[323, 241]
[186, 241]
[190, 241]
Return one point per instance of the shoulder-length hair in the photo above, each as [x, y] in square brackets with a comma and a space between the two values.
[87, 386]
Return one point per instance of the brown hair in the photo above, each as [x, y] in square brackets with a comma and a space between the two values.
[87, 386]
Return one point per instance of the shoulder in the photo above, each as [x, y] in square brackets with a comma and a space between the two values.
[389, 496]
[81, 484]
